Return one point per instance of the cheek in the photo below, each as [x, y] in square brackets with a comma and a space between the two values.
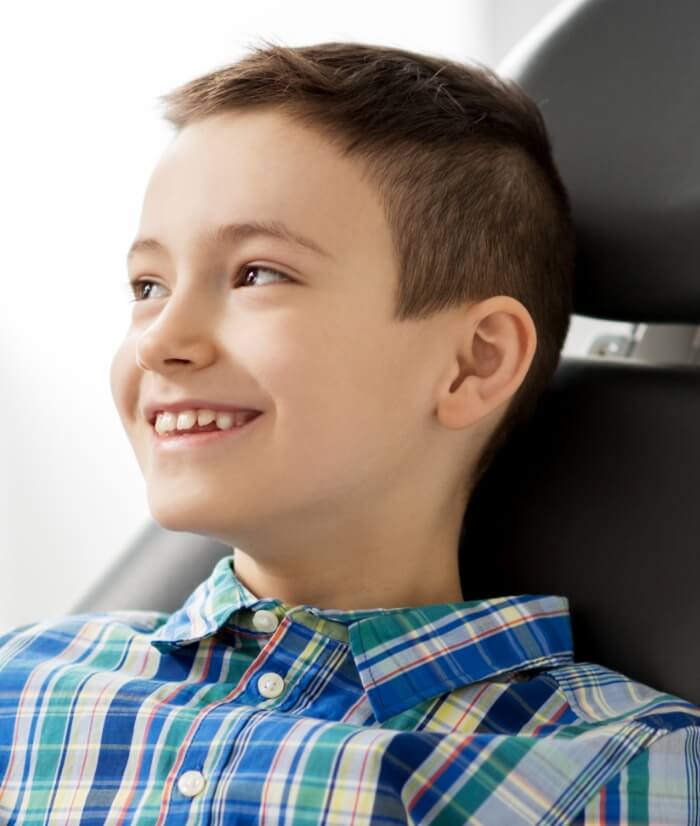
[123, 380]
[332, 401]
[337, 386]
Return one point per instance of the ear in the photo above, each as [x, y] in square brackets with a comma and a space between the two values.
[495, 347]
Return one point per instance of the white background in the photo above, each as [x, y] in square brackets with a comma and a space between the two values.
[80, 135]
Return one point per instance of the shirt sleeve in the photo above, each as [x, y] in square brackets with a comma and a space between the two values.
[659, 786]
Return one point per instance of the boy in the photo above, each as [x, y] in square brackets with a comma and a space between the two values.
[354, 268]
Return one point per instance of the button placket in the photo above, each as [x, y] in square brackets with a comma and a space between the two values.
[270, 684]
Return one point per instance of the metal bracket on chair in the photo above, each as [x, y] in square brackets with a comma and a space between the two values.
[652, 344]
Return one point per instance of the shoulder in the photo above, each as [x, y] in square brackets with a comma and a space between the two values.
[57, 636]
[608, 750]
[660, 785]
[599, 695]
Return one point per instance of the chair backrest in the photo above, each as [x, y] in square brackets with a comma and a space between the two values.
[596, 499]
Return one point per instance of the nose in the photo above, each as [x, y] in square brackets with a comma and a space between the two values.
[181, 333]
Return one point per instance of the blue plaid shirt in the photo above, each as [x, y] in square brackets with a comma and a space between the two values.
[239, 710]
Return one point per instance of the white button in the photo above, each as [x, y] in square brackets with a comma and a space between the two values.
[270, 684]
[191, 783]
[265, 620]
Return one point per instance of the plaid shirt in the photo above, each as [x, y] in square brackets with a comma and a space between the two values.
[237, 710]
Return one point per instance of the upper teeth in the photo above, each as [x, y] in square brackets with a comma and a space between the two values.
[185, 419]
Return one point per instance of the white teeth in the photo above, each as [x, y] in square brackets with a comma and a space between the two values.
[205, 417]
[186, 419]
[165, 422]
[225, 421]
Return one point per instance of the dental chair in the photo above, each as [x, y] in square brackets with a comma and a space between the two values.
[597, 498]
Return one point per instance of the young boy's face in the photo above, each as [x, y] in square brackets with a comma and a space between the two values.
[335, 469]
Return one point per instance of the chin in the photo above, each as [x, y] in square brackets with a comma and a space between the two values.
[173, 515]
[189, 515]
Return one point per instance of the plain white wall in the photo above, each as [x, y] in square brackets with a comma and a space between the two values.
[81, 134]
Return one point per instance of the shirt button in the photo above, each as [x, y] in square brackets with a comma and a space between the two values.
[191, 783]
[265, 620]
[270, 684]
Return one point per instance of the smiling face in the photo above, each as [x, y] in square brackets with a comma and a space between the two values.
[335, 469]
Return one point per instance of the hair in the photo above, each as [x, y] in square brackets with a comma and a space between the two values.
[462, 163]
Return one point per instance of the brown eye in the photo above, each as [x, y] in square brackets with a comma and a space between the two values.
[137, 285]
[247, 268]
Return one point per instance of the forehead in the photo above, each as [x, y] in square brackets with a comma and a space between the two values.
[259, 165]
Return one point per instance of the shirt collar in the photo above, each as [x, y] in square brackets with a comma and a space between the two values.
[403, 655]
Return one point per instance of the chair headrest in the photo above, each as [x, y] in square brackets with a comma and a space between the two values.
[618, 83]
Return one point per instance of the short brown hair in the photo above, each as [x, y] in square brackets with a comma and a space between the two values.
[463, 163]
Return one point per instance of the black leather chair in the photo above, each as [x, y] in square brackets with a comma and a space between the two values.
[598, 498]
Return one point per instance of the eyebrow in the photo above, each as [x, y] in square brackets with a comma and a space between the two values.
[239, 231]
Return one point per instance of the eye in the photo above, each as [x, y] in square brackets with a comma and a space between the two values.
[246, 268]
[138, 285]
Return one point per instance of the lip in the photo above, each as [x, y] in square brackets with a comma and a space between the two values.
[194, 442]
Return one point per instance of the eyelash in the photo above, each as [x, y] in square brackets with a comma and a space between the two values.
[135, 283]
